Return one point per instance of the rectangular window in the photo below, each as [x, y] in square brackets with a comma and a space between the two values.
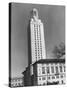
[43, 78]
[52, 69]
[57, 76]
[60, 68]
[39, 78]
[43, 70]
[56, 69]
[49, 77]
[48, 70]
[61, 76]
[64, 68]
[53, 77]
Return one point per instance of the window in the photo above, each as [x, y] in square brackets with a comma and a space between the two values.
[60, 68]
[53, 77]
[43, 70]
[62, 82]
[57, 76]
[61, 76]
[43, 83]
[48, 70]
[43, 78]
[19, 84]
[64, 68]
[52, 69]
[48, 77]
[16, 84]
[11, 85]
[39, 78]
[56, 69]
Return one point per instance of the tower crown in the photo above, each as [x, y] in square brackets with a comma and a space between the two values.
[35, 13]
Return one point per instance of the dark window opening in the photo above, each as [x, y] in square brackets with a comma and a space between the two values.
[52, 69]
[60, 68]
[48, 70]
[56, 69]
[43, 70]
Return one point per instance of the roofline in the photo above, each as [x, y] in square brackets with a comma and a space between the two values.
[51, 61]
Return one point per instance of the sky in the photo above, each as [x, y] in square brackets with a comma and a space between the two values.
[53, 18]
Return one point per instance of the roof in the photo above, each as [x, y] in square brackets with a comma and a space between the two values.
[42, 61]
[51, 61]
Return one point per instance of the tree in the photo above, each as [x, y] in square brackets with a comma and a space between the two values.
[59, 51]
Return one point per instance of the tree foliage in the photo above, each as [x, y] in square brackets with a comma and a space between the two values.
[59, 51]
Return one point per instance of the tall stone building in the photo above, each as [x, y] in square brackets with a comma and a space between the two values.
[36, 40]
[40, 70]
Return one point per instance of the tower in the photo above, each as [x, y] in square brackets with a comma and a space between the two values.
[37, 40]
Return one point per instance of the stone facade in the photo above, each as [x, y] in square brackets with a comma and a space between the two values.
[45, 72]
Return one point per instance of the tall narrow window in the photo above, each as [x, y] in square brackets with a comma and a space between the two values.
[64, 68]
[43, 70]
[48, 71]
[60, 68]
[52, 69]
[56, 69]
